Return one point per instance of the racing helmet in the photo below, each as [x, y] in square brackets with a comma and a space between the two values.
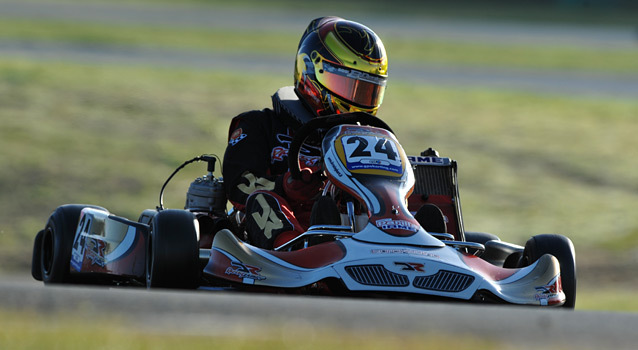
[341, 66]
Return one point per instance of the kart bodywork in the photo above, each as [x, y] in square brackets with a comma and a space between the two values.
[381, 246]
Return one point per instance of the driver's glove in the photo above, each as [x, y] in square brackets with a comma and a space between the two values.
[304, 189]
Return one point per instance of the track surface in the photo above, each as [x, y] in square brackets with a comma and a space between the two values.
[217, 313]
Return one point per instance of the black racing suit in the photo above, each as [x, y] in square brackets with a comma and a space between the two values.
[256, 159]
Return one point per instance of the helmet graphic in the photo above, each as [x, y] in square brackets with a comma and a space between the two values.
[341, 67]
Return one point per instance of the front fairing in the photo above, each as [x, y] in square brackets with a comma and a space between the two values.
[370, 164]
[370, 267]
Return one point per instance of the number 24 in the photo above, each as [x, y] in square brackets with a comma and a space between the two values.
[382, 146]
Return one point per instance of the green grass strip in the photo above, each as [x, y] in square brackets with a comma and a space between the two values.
[267, 42]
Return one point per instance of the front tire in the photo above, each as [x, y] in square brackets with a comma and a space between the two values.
[562, 248]
[172, 255]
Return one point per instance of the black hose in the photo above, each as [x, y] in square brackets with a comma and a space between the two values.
[204, 157]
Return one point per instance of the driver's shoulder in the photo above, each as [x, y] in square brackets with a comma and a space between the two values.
[255, 118]
[256, 114]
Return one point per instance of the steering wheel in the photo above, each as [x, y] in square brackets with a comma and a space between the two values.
[326, 122]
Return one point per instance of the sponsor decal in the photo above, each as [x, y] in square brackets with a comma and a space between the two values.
[236, 136]
[428, 160]
[309, 161]
[284, 139]
[390, 224]
[358, 130]
[244, 271]
[404, 251]
[551, 293]
[268, 221]
[354, 74]
[77, 254]
[418, 267]
[79, 242]
[255, 183]
[334, 167]
[278, 154]
[95, 252]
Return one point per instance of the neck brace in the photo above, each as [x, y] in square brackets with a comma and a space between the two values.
[288, 106]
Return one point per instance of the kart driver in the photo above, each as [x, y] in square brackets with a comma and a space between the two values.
[341, 66]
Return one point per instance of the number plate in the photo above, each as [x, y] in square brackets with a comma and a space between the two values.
[371, 154]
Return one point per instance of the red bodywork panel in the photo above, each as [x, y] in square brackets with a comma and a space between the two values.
[313, 257]
[495, 273]
[132, 262]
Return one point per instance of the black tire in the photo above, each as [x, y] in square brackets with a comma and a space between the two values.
[147, 216]
[480, 237]
[36, 267]
[172, 254]
[562, 248]
[56, 242]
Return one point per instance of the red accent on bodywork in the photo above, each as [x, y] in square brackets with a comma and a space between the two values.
[495, 273]
[313, 257]
[134, 263]
[392, 209]
[220, 263]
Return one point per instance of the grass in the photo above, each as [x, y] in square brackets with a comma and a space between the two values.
[280, 44]
[148, 36]
[607, 298]
[515, 56]
[27, 330]
[528, 164]
[542, 163]
[74, 133]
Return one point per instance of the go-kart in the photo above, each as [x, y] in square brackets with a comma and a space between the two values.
[386, 225]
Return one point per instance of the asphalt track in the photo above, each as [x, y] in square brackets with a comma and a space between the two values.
[227, 313]
[205, 312]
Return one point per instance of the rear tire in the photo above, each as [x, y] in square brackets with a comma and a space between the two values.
[56, 241]
[36, 265]
[480, 237]
[172, 255]
[562, 248]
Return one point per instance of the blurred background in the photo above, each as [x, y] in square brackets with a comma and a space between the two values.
[537, 100]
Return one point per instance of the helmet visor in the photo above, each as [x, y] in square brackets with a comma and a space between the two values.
[355, 86]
